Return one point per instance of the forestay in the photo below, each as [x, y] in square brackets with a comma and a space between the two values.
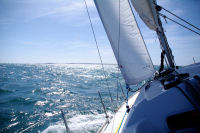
[126, 41]
[147, 12]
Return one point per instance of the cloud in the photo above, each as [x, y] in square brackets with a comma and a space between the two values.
[63, 9]
[69, 12]
[24, 42]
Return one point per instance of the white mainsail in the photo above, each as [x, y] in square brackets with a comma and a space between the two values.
[147, 12]
[126, 40]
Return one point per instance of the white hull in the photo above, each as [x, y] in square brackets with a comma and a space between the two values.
[152, 106]
[117, 121]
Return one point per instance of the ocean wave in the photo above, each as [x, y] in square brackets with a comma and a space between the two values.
[79, 124]
[60, 128]
[35, 92]
[19, 101]
[5, 91]
[13, 124]
[41, 103]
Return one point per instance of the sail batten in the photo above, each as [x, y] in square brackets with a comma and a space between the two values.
[125, 39]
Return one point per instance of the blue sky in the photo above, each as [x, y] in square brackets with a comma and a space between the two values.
[58, 31]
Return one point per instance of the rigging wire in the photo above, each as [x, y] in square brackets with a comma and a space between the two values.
[179, 18]
[98, 49]
[122, 91]
[165, 17]
[33, 125]
[118, 43]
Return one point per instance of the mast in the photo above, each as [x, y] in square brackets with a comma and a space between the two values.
[149, 13]
[163, 42]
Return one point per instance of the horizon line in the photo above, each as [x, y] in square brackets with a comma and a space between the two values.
[60, 63]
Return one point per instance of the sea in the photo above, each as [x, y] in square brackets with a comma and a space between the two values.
[33, 95]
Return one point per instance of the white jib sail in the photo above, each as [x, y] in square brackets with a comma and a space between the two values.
[147, 12]
[126, 40]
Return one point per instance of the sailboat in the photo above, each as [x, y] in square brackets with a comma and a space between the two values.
[170, 100]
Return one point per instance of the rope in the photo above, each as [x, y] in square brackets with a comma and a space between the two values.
[177, 23]
[128, 89]
[162, 61]
[97, 48]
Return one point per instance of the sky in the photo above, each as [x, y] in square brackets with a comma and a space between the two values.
[58, 31]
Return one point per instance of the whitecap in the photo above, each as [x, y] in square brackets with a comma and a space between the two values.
[55, 129]
[64, 105]
[14, 119]
[86, 123]
[14, 124]
[27, 98]
[54, 93]
[41, 103]
[79, 124]
[45, 88]
[49, 114]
